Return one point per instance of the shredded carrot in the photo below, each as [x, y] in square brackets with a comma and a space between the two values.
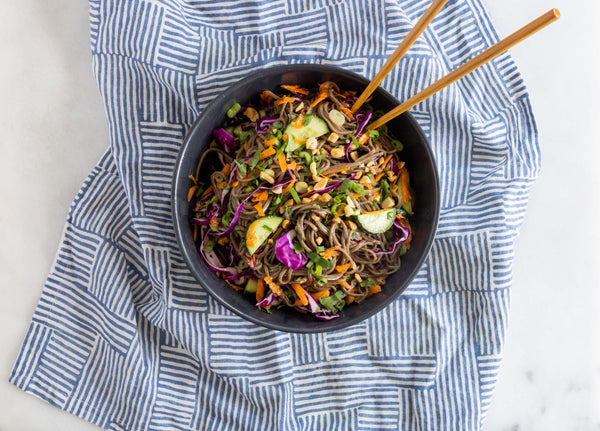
[299, 141]
[321, 294]
[207, 192]
[259, 209]
[347, 112]
[363, 138]
[191, 177]
[342, 268]
[221, 185]
[238, 288]
[266, 95]
[301, 294]
[299, 121]
[191, 192]
[319, 99]
[406, 197]
[267, 153]
[386, 161]
[226, 169]
[213, 222]
[296, 89]
[283, 100]
[260, 290]
[274, 288]
[282, 162]
[213, 144]
[195, 232]
[335, 171]
[263, 195]
[374, 289]
[270, 142]
[246, 146]
[329, 253]
[223, 240]
[378, 177]
[345, 285]
[235, 184]
[292, 165]
[289, 186]
[349, 299]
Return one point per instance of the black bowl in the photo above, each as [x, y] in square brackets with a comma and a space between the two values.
[419, 161]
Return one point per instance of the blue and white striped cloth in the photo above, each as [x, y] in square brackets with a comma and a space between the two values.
[124, 337]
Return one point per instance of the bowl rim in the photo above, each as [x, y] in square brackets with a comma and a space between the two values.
[327, 326]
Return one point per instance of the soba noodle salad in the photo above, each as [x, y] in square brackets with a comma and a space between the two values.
[305, 208]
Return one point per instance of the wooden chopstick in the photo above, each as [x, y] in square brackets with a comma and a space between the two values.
[404, 46]
[489, 54]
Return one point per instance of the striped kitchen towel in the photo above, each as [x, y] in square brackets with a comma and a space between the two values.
[124, 337]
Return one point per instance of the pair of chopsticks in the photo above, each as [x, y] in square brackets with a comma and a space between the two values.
[476, 62]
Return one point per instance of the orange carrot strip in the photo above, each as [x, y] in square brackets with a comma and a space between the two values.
[195, 232]
[238, 288]
[283, 100]
[301, 294]
[260, 196]
[342, 268]
[191, 177]
[363, 138]
[349, 299]
[274, 288]
[260, 290]
[191, 192]
[319, 99]
[289, 186]
[374, 289]
[378, 177]
[223, 240]
[335, 171]
[345, 285]
[270, 142]
[298, 121]
[259, 209]
[266, 153]
[235, 184]
[266, 95]
[226, 169]
[406, 197]
[292, 165]
[207, 192]
[296, 89]
[386, 161]
[321, 294]
[282, 162]
[329, 253]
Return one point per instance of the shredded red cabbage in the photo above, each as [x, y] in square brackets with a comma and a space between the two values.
[284, 251]
[270, 299]
[317, 310]
[226, 139]
[402, 234]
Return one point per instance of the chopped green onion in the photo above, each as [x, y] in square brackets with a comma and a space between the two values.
[373, 134]
[295, 196]
[232, 112]
[398, 146]
[241, 167]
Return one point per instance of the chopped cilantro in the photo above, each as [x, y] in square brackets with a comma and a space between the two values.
[241, 167]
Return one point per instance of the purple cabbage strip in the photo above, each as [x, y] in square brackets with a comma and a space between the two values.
[315, 308]
[404, 234]
[363, 123]
[245, 273]
[214, 263]
[270, 299]
[285, 253]
[226, 139]
[263, 124]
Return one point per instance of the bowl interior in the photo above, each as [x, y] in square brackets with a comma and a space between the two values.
[419, 162]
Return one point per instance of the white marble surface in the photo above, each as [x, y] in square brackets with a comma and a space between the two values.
[54, 131]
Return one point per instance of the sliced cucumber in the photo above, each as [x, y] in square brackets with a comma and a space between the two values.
[250, 289]
[312, 127]
[259, 230]
[377, 221]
